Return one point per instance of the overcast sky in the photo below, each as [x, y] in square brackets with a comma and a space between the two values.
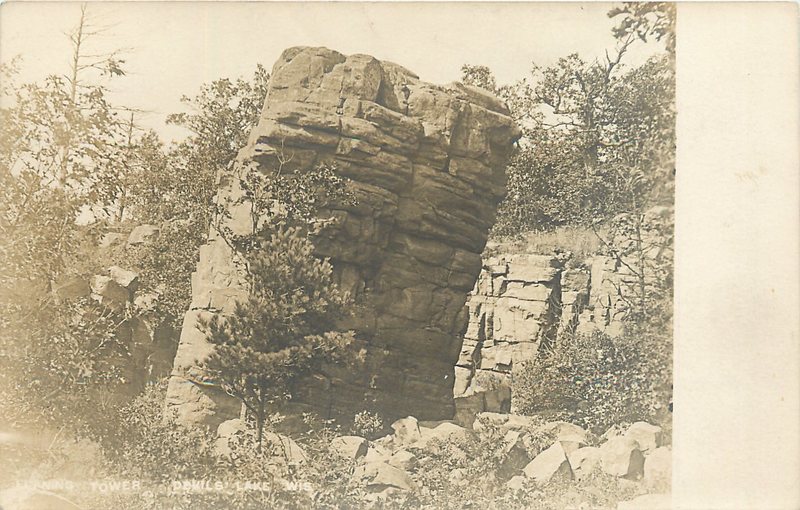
[177, 46]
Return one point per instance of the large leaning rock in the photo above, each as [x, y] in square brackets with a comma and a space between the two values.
[427, 166]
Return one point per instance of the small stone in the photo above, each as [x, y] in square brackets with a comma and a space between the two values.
[516, 483]
[551, 463]
[403, 459]
[620, 456]
[584, 461]
[127, 279]
[142, 234]
[350, 447]
[648, 436]
[406, 431]
[658, 469]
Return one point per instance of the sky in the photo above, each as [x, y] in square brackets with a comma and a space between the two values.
[175, 47]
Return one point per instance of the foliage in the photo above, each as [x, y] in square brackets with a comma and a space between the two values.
[646, 20]
[285, 330]
[478, 76]
[367, 424]
[641, 246]
[222, 115]
[148, 445]
[597, 381]
[175, 188]
[598, 137]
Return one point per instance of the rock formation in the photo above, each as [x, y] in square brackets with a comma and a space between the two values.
[522, 301]
[427, 166]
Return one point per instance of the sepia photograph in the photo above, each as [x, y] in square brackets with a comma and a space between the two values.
[269, 255]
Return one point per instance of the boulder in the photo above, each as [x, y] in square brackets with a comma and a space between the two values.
[648, 502]
[516, 483]
[142, 234]
[377, 453]
[620, 456]
[226, 431]
[648, 436]
[109, 293]
[285, 448]
[444, 432]
[505, 422]
[551, 464]
[570, 436]
[406, 431]
[515, 455]
[658, 469]
[378, 476]
[426, 164]
[403, 459]
[584, 461]
[126, 279]
[350, 447]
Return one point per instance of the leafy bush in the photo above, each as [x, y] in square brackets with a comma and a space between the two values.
[367, 424]
[148, 445]
[597, 381]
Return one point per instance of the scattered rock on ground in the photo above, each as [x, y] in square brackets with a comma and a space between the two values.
[648, 436]
[658, 469]
[584, 461]
[403, 459]
[378, 476]
[350, 447]
[620, 456]
[406, 431]
[551, 463]
[142, 234]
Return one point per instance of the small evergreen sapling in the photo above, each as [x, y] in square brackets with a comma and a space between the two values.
[286, 329]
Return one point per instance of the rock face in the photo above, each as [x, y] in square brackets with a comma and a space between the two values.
[521, 301]
[427, 166]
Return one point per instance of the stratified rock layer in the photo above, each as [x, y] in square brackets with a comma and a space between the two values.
[427, 166]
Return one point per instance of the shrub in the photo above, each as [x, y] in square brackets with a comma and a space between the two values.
[597, 381]
[151, 446]
[367, 424]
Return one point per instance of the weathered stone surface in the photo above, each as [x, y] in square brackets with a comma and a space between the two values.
[406, 431]
[658, 469]
[226, 432]
[647, 436]
[403, 459]
[350, 447]
[515, 455]
[516, 483]
[620, 456]
[127, 279]
[551, 463]
[521, 301]
[427, 166]
[142, 234]
[584, 461]
[109, 293]
[378, 476]
[285, 448]
[446, 431]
